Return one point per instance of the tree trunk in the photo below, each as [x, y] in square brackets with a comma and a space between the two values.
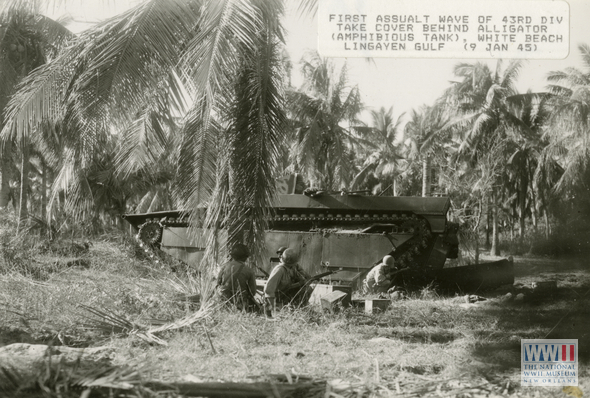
[61, 208]
[534, 219]
[426, 176]
[547, 226]
[495, 251]
[534, 211]
[44, 192]
[394, 186]
[6, 170]
[43, 197]
[476, 247]
[522, 219]
[53, 206]
[23, 211]
[476, 230]
[488, 224]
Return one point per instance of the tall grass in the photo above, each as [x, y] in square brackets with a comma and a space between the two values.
[426, 344]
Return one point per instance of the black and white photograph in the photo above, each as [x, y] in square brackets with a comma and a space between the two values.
[294, 198]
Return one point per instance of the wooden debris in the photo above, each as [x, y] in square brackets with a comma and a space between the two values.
[376, 305]
[332, 300]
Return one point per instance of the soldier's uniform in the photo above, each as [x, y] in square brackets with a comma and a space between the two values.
[377, 280]
[279, 290]
[236, 281]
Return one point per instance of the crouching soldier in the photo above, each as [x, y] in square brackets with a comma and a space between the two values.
[236, 281]
[378, 279]
[286, 284]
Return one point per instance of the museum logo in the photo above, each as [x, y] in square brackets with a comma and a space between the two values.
[549, 362]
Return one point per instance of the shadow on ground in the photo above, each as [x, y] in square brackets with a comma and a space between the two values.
[418, 336]
[11, 334]
[15, 334]
[562, 314]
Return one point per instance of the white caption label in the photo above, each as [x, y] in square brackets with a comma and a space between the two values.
[535, 29]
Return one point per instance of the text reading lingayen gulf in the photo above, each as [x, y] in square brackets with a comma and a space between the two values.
[494, 33]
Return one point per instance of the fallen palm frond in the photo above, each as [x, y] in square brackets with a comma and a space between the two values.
[108, 376]
[188, 289]
[207, 309]
[100, 379]
[56, 378]
[200, 289]
[110, 322]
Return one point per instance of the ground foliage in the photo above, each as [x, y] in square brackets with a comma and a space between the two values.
[425, 345]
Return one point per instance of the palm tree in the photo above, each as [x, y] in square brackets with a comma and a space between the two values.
[524, 151]
[546, 176]
[384, 157]
[27, 40]
[425, 136]
[323, 109]
[483, 116]
[224, 55]
[569, 127]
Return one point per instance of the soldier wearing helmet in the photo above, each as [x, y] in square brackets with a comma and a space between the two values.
[377, 280]
[281, 250]
[280, 287]
[236, 281]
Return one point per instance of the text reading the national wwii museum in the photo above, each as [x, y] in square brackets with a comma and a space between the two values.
[536, 29]
[549, 362]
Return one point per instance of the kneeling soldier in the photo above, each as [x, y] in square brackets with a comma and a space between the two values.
[236, 281]
[378, 279]
[286, 283]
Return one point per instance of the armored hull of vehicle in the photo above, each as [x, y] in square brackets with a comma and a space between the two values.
[346, 233]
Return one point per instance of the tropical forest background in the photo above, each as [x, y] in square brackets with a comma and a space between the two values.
[184, 103]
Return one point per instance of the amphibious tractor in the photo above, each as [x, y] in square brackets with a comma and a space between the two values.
[344, 233]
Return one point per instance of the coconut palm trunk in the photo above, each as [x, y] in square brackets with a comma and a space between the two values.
[44, 192]
[547, 226]
[495, 250]
[488, 224]
[426, 176]
[522, 205]
[5, 190]
[23, 211]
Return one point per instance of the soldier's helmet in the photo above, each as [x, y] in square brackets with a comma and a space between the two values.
[389, 261]
[239, 252]
[281, 250]
[289, 256]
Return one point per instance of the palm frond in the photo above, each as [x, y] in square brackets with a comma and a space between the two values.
[569, 77]
[309, 7]
[147, 141]
[362, 175]
[510, 75]
[585, 53]
[255, 137]
[205, 312]
[109, 321]
[8, 7]
[130, 56]
[198, 151]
